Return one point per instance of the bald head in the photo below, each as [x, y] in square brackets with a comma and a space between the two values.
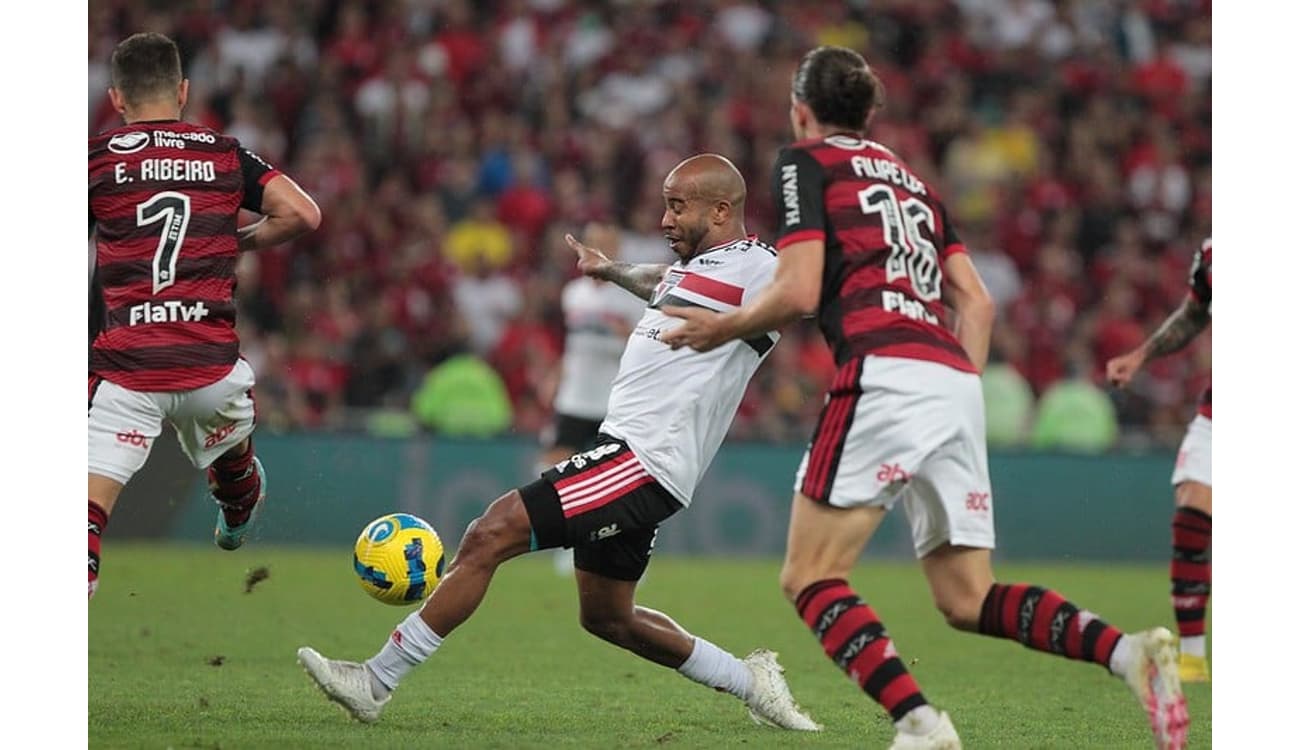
[704, 201]
[709, 177]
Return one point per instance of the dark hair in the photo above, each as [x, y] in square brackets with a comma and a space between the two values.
[837, 85]
[145, 66]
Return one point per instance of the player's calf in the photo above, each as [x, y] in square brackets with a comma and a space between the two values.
[1189, 577]
[853, 637]
[616, 630]
[649, 634]
[236, 484]
[1044, 620]
[96, 520]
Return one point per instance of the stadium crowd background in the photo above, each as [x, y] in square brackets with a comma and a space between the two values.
[452, 144]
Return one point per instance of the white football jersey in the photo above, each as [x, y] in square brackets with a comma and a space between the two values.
[597, 318]
[673, 408]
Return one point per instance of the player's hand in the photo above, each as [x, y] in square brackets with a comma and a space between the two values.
[702, 330]
[1120, 370]
[591, 262]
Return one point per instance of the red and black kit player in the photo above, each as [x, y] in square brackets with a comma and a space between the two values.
[165, 197]
[867, 246]
[1189, 568]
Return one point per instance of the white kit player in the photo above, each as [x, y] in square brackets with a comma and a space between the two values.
[598, 316]
[668, 413]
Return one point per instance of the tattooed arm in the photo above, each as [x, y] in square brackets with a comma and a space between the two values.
[638, 278]
[1176, 332]
[1179, 329]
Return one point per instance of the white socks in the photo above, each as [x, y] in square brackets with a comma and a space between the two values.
[919, 721]
[1122, 656]
[1193, 645]
[410, 644]
[715, 668]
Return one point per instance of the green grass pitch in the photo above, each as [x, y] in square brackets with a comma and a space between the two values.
[180, 656]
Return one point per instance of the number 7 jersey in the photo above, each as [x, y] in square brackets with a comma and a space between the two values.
[886, 236]
[165, 198]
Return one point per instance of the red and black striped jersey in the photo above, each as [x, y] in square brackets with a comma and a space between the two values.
[1199, 283]
[886, 236]
[164, 204]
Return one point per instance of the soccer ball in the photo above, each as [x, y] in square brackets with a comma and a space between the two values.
[398, 559]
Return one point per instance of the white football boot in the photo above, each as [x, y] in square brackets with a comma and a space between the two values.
[344, 682]
[771, 703]
[1153, 677]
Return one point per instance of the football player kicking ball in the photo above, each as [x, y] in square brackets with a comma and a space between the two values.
[867, 246]
[668, 413]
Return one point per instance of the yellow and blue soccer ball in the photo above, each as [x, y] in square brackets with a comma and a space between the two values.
[398, 559]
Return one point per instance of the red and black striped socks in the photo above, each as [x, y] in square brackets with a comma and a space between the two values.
[1189, 574]
[852, 636]
[96, 520]
[235, 484]
[1043, 620]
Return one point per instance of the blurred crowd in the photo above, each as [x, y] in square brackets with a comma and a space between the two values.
[451, 144]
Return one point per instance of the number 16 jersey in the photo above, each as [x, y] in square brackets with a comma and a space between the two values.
[886, 236]
[165, 198]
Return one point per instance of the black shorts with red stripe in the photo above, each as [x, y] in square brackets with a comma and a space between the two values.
[602, 503]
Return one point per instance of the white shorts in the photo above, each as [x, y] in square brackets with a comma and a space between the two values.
[911, 430]
[208, 421]
[1193, 462]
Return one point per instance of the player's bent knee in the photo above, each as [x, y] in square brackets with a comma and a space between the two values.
[499, 534]
[958, 617]
[960, 611]
[103, 491]
[238, 449]
[790, 586]
[1192, 494]
[482, 544]
[614, 629]
[794, 579]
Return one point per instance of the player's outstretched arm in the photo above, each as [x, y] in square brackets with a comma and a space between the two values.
[1176, 332]
[288, 212]
[638, 278]
[794, 293]
[965, 292]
